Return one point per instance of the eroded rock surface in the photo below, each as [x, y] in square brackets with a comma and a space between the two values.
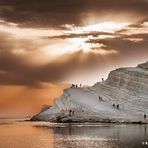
[127, 87]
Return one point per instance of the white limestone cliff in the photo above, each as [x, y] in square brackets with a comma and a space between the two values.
[127, 87]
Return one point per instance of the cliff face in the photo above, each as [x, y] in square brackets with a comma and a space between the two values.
[132, 79]
[127, 87]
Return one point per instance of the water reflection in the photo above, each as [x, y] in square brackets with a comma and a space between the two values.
[107, 136]
[47, 135]
[22, 135]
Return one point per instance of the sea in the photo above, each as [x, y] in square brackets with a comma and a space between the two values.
[18, 133]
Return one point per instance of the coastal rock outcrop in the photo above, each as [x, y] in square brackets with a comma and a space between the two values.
[126, 87]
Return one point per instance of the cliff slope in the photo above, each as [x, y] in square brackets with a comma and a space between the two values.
[127, 87]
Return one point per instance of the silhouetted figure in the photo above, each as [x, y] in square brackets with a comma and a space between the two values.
[102, 79]
[76, 86]
[113, 105]
[72, 86]
[144, 116]
[117, 106]
[100, 98]
[70, 111]
[73, 112]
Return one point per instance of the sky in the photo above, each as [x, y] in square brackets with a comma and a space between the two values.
[47, 45]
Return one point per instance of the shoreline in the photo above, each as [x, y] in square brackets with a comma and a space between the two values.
[89, 122]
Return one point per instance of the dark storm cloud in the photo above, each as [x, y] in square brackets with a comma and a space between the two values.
[79, 35]
[58, 12]
[142, 36]
[125, 44]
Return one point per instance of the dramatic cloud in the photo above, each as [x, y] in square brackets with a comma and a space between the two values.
[57, 13]
[17, 71]
[50, 42]
[33, 61]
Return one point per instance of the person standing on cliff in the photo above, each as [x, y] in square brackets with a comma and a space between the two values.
[144, 116]
[118, 106]
[70, 111]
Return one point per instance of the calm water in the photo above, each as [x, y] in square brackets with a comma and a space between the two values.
[47, 135]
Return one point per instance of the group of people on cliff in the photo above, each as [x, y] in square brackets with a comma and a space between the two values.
[114, 105]
[76, 85]
[79, 86]
[71, 112]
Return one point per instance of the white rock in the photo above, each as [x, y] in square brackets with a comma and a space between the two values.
[127, 87]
